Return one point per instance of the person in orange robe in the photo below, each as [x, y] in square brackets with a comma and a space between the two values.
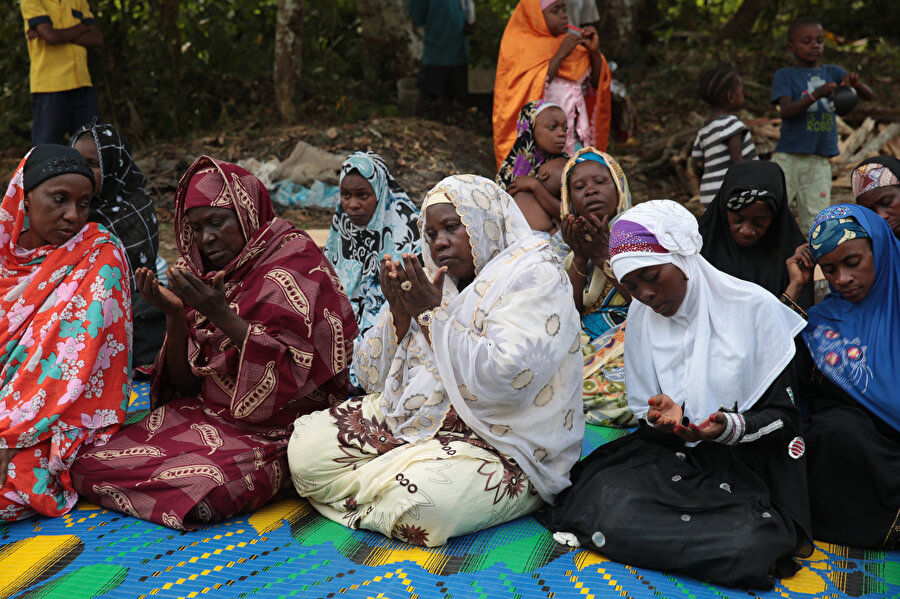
[536, 49]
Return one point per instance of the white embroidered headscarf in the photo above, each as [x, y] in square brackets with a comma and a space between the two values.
[729, 339]
[506, 349]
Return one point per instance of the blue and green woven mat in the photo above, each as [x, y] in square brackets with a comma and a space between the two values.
[288, 550]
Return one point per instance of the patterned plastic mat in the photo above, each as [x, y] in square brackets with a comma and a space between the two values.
[287, 550]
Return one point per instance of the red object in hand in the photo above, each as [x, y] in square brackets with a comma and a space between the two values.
[577, 31]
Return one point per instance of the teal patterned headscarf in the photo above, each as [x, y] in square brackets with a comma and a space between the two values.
[356, 252]
[831, 228]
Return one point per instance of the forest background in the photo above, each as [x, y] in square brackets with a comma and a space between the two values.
[249, 78]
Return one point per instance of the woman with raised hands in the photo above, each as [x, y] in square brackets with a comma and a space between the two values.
[473, 416]
[258, 332]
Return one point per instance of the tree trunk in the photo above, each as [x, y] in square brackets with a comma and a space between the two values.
[741, 23]
[392, 45]
[288, 53]
[616, 28]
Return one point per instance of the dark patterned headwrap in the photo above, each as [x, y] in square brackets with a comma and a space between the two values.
[743, 198]
[52, 160]
[832, 227]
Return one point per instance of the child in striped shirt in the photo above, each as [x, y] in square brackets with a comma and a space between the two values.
[723, 139]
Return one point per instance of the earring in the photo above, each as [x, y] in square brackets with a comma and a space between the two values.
[26, 207]
[686, 277]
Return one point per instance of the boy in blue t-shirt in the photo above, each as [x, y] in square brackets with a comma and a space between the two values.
[808, 127]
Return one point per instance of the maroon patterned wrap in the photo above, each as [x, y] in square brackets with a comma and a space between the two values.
[200, 459]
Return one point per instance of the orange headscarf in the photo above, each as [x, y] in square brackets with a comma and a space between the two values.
[525, 52]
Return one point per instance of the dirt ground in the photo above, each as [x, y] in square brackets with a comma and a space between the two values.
[419, 153]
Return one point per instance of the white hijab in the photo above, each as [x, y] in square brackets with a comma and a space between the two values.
[505, 351]
[729, 339]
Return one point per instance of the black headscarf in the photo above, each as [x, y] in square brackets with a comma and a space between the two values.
[764, 263]
[122, 206]
[52, 160]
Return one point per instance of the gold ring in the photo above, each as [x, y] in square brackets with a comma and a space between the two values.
[405, 285]
[588, 238]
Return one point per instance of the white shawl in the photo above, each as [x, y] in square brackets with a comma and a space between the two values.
[506, 350]
[728, 341]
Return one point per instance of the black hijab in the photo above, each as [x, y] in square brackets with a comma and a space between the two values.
[764, 263]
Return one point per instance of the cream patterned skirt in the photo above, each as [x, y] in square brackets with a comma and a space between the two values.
[350, 467]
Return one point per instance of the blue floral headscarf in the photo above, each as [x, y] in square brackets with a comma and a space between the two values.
[857, 345]
[356, 252]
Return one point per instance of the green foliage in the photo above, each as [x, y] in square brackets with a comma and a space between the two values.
[697, 15]
[847, 18]
[484, 42]
[15, 107]
[222, 63]
[332, 55]
[222, 59]
[216, 70]
[853, 19]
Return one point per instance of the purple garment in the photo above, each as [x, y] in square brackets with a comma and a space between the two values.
[524, 158]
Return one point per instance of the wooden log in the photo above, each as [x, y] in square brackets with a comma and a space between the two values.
[763, 121]
[767, 132]
[766, 147]
[765, 127]
[857, 138]
[882, 115]
[667, 153]
[842, 181]
[692, 182]
[892, 148]
[842, 126]
[686, 176]
[873, 146]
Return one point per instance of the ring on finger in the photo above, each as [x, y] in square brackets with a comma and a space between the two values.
[405, 285]
[587, 237]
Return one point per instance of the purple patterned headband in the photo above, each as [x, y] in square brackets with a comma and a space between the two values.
[628, 236]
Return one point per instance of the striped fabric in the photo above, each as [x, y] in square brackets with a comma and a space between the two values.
[711, 147]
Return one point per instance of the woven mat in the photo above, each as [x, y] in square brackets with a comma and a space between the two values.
[286, 549]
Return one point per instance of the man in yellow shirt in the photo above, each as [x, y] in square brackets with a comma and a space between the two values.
[62, 97]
